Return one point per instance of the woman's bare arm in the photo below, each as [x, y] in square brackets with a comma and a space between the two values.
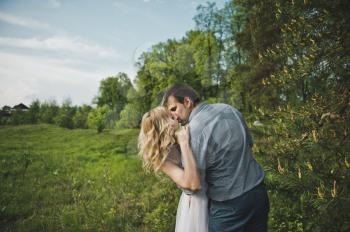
[188, 177]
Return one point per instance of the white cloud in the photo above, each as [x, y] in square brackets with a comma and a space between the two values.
[24, 22]
[60, 44]
[56, 66]
[118, 4]
[24, 78]
[55, 3]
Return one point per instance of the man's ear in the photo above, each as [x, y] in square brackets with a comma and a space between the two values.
[188, 102]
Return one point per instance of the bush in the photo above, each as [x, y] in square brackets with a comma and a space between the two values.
[96, 118]
[130, 117]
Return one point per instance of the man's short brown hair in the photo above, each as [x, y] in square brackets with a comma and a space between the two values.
[179, 92]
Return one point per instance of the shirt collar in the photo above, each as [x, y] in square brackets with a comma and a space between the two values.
[196, 110]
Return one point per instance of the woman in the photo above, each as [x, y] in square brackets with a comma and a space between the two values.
[163, 149]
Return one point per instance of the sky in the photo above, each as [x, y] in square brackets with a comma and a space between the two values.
[59, 49]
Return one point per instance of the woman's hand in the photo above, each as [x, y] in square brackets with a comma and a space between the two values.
[183, 135]
[187, 177]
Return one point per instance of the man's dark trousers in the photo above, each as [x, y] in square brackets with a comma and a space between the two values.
[246, 213]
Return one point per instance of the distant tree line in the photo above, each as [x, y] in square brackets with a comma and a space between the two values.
[50, 112]
[110, 110]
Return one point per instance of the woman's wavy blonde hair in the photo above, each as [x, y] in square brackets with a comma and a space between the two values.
[155, 138]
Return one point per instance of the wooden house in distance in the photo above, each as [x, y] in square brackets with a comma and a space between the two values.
[20, 107]
[6, 111]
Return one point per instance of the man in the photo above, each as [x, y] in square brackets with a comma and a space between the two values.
[221, 143]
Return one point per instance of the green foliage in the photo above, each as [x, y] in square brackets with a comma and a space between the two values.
[81, 116]
[19, 117]
[97, 118]
[113, 92]
[297, 85]
[158, 70]
[307, 169]
[65, 115]
[131, 115]
[48, 111]
[110, 118]
[191, 60]
[34, 112]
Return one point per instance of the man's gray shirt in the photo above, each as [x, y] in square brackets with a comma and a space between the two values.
[221, 144]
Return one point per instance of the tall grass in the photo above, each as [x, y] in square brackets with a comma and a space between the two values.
[55, 179]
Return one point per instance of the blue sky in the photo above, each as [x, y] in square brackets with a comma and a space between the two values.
[56, 49]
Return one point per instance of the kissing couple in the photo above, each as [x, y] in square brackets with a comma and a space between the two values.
[206, 149]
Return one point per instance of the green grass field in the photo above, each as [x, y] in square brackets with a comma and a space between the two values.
[55, 179]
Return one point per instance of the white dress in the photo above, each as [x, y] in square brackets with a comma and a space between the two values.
[192, 211]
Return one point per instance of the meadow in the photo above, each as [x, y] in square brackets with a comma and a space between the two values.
[56, 179]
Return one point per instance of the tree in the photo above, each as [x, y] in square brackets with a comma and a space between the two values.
[34, 112]
[5, 115]
[131, 115]
[205, 22]
[165, 64]
[259, 32]
[96, 118]
[48, 111]
[113, 92]
[64, 118]
[295, 79]
[18, 117]
[81, 116]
